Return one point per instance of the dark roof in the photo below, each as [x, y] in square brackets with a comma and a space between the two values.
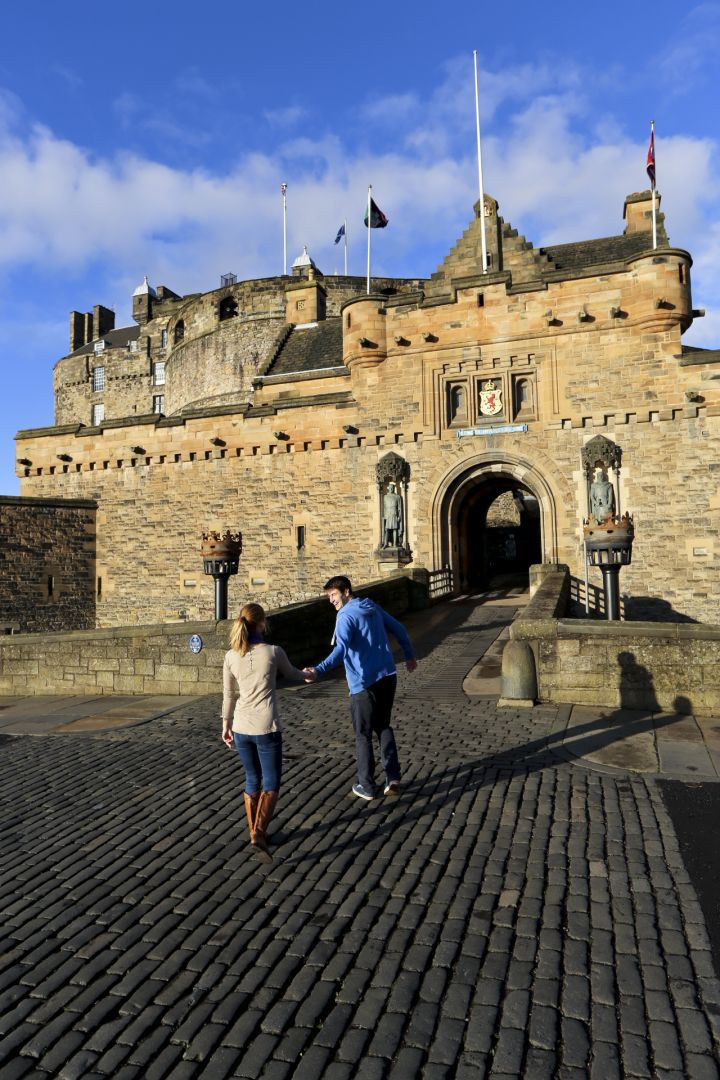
[607, 249]
[309, 348]
[114, 339]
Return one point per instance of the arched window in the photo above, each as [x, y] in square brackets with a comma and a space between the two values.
[228, 308]
[179, 333]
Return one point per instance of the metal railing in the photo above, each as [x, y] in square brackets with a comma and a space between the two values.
[440, 582]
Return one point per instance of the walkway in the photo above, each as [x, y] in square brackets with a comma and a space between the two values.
[515, 913]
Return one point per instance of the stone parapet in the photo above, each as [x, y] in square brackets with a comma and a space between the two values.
[659, 667]
[158, 660]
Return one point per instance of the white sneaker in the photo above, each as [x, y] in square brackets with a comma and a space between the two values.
[392, 787]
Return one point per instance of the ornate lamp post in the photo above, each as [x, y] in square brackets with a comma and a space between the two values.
[221, 557]
[608, 536]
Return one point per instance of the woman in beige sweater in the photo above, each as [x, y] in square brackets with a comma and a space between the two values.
[250, 717]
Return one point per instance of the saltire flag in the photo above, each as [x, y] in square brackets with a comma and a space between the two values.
[377, 218]
[340, 233]
[651, 159]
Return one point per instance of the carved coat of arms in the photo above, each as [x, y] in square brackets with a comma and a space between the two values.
[490, 399]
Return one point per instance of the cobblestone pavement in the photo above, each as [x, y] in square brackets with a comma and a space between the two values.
[512, 914]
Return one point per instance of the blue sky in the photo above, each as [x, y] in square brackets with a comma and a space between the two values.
[153, 140]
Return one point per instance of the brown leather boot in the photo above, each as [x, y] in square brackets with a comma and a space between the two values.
[251, 807]
[263, 818]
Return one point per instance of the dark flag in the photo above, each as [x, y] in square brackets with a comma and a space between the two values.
[377, 218]
[340, 233]
[651, 160]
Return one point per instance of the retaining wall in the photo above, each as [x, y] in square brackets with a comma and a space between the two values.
[157, 659]
[663, 667]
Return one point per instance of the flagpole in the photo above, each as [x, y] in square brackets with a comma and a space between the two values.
[480, 174]
[345, 245]
[654, 221]
[369, 228]
[283, 188]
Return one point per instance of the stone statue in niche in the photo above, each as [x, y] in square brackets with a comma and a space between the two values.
[602, 498]
[392, 513]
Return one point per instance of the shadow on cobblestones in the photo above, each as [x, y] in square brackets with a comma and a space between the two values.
[510, 915]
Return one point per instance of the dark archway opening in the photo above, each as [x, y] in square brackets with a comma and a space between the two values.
[497, 532]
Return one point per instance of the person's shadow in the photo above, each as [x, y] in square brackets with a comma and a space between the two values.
[636, 687]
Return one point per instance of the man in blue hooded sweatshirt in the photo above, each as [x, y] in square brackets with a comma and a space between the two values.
[361, 643]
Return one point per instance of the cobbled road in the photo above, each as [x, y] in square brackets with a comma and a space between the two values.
[512, 914]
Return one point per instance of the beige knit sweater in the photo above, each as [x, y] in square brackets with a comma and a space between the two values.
[249, 688]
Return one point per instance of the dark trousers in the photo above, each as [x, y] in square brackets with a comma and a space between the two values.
[371, 711]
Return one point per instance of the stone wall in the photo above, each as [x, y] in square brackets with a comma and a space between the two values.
[47, 564]
[660, 667]
[157, 659]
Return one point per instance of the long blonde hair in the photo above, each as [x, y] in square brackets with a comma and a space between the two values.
[248, 622]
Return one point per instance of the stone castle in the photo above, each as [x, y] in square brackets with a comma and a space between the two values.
[436, 423]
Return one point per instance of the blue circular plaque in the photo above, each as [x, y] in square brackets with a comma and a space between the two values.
[196, 643]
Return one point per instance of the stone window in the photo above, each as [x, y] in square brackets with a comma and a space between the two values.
[98, 379]
[163, 339]
[228, 308]
[158, 403]
[179, 332]
[133, 345]
[98, 414]
[300, 537]
[159, 373]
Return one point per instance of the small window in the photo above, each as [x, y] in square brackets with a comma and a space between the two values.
[163, 339]
[99, 588]
[228, 308]
[179, 332]
[50, 585]
[300, 537]
[99, 347]
[159, 373]
[158, 403]
[98, 379]
[133, 345]
[98, 414]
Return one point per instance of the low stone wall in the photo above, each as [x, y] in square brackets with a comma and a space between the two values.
[663, 667]
[158, 660]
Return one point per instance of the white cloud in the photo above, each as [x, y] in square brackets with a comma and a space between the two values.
[286, 117]
[557, 179]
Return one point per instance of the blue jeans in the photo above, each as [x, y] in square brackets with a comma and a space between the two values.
[371, 710]
[261, 756]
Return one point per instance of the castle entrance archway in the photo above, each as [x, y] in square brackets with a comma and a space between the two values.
[492, 520]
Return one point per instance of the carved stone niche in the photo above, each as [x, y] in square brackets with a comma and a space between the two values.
[393, 474]
[599, 457]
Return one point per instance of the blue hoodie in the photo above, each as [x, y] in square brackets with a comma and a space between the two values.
[361, 643]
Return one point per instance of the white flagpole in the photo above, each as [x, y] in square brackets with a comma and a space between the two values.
[654, 183]
[284, 195]
[480, 175]
[345, 239]
[369, 229]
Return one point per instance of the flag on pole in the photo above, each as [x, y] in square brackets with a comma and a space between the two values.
[651, 159]
[283, 188]
[377, 218]
[340, 233]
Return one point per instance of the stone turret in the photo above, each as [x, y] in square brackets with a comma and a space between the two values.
[142, 302]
